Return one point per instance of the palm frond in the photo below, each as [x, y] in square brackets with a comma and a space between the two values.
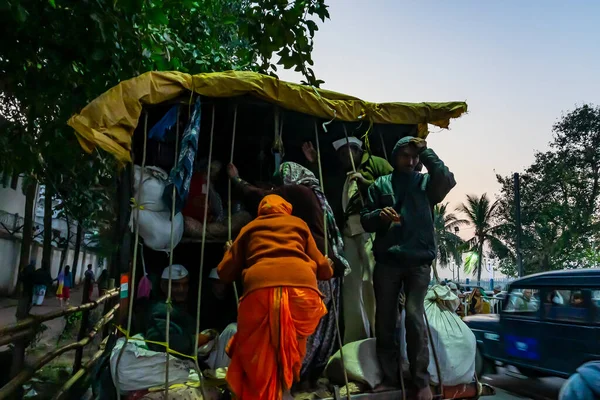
[471, 262]
[447, 242]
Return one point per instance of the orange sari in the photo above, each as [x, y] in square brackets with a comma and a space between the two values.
[269, 346]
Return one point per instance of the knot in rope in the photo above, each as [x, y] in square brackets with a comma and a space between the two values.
[134, 204]
[169, 303]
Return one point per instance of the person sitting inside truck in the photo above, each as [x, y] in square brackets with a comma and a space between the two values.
[280, 264]
[182, 325]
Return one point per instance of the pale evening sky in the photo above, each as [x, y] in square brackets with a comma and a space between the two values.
[518, 64]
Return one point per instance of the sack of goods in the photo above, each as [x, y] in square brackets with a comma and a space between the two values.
[455, 344]
[140, 368]
[360, 360]
[154, 215]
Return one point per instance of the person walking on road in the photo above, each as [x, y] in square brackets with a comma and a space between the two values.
[399, 209]
[103, 282]
[65, 283]
[89, 274]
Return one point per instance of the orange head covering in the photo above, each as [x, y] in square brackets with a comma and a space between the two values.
[273, 204]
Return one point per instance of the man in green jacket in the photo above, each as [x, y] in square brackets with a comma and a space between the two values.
[399, 209]
[358, 297]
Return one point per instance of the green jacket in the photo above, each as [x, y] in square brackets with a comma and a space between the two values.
[412, 195]
[371, 167]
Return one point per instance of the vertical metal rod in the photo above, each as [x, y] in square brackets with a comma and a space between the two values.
[326, 240]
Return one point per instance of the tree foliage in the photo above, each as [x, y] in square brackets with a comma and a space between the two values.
[57, 55]
[560, 195]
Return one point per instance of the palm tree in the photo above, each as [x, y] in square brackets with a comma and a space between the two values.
[448, 244]
[480, 213]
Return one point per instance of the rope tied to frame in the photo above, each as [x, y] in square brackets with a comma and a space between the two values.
[168, 350]
[229, 189]
[135, 251]
[333, 301]
[169, 301]
[202, 250]
[135, 205]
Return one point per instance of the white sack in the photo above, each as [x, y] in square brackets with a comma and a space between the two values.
[155, 217]
[141, 368]
[361, 363]
[454, 342]
[153, 186]
[155, 229]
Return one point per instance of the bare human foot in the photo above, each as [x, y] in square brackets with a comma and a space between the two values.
[424, 394]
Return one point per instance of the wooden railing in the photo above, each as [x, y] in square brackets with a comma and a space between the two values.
[25, 329]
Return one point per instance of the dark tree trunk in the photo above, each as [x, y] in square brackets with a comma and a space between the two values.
[24, 304]
[30, 193]
[63, 254]
[47, 249]
[83, 260]
[77, 248]
[63, 257]
[18, 351]
[546, 263]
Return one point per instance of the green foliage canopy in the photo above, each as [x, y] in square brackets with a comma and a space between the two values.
[560, 196]
[57, 55]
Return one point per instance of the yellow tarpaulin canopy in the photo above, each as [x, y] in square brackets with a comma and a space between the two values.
[110, 120]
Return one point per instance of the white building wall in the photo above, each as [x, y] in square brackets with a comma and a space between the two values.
[13, 201]
[9, 263]
[9, 258]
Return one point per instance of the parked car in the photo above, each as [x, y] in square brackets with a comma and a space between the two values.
[549, 325]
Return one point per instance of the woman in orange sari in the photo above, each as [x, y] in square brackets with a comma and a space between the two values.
[280, 263]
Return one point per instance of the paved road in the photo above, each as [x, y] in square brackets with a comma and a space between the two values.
[510, 384]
